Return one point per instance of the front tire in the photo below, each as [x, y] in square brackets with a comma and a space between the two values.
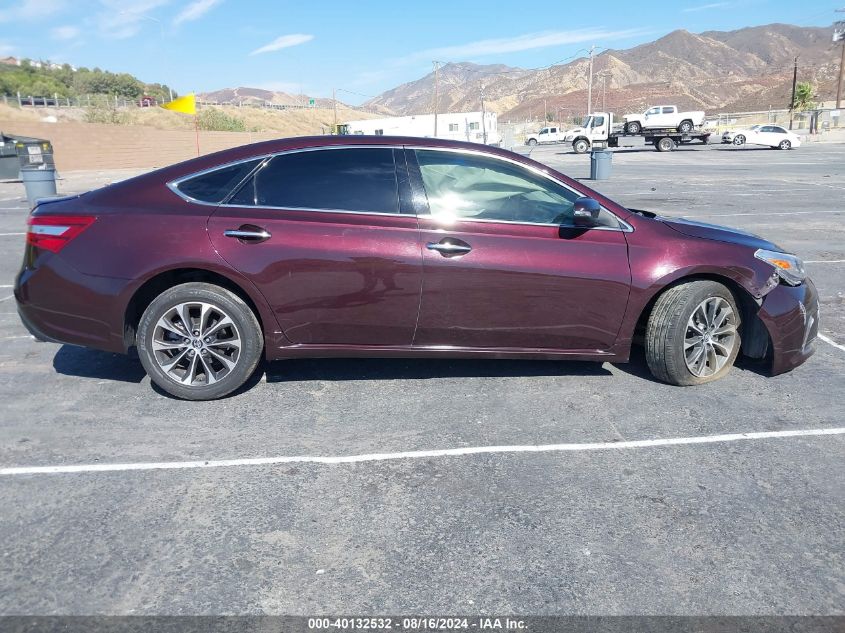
[784, 144]
[532, 142]
[692, 336]
[198, 341]
[739, 140]
[581, 146]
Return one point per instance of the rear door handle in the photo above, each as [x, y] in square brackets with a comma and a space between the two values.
[248, 233]
[449, 247]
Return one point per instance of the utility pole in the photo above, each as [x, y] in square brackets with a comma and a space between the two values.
[794, 82]
[483, 117]
[839, 36]
[436, 94]
[590, 83]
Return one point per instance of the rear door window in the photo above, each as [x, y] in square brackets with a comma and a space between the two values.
[357, 179]
[214, 186]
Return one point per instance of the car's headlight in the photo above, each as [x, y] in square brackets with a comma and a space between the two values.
[788, 267]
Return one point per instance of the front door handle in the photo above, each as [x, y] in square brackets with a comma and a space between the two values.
[248, 233]
[449, 247]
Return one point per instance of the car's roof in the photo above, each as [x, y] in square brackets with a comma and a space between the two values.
[273, 146]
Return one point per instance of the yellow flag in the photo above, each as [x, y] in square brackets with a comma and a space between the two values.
[186, 104]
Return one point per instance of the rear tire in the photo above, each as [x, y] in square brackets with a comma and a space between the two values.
[198, 341]
[685, 127]
[633, 128]
[665, 144]
[680, 324]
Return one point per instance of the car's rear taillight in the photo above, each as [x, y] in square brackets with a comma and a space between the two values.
[54, 232]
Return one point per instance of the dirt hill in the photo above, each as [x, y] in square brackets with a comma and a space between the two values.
[750, 68]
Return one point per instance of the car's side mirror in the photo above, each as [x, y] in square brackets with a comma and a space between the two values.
[585, 212]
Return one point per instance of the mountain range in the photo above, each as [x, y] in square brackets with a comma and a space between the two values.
[727, 71]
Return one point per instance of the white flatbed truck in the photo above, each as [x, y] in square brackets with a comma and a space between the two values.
[597, 132]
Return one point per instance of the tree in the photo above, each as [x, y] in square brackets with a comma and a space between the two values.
[804, 97]
[550, 116]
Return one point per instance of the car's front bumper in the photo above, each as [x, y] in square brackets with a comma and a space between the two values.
[791, 315]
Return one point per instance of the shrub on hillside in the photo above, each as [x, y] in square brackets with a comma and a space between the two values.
[216, 120]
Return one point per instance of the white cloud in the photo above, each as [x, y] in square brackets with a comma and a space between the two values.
[195, 11]
[704, 7]
[120, 21]
[529, 41]
[67, 32]
[26, 10]
[285, 41]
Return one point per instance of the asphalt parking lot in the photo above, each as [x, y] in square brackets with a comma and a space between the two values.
[735, 526]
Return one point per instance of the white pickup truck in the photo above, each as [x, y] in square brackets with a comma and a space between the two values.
[663, 117]
[550, 134]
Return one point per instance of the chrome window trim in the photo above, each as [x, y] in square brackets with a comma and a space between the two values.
[173, 185]
[624, 227]
[312, 210]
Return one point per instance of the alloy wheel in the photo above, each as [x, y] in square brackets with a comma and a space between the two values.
[710, 337]
[196, 344]
[785, 144]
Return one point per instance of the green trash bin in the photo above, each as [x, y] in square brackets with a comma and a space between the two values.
[9, 165]
[601, 162]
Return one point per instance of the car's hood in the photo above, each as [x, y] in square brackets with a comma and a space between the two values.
[718, 233]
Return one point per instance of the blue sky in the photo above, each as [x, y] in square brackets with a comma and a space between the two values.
[360, 47]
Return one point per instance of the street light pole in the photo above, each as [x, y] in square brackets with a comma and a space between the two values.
[590, 83]
[436, 94]
[839, 36]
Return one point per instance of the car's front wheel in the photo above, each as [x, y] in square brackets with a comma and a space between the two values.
[739, 139]
[199, 341]
[692, 336]
[532, 142]
[785, 144]
[581, 146]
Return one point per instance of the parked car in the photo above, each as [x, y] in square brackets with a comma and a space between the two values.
[664, 117]
[768, 135]
[395, 247]
[552, 134]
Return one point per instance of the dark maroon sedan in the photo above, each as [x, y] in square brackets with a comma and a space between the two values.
[379, 246]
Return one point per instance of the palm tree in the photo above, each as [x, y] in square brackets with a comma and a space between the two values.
[804, 97]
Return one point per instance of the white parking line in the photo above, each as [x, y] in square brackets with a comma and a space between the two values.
[7, 298]
[10, 234]
[760, 215]
[824, 261]
[446, 452]
[830, 341]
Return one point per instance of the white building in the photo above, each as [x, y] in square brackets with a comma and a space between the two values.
[455, 126]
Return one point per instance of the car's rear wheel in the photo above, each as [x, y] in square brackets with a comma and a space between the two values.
[199, 341]
[633, 127]
[685, 127]
[692, 336]
[784, 144]
[739, 139]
